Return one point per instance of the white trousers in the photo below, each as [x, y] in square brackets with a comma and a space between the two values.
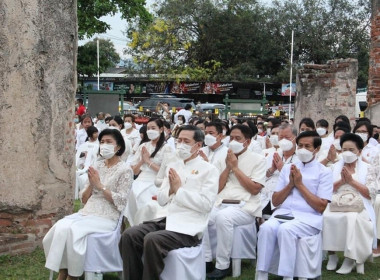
[284, 235]
[223, 220]
[66, 242]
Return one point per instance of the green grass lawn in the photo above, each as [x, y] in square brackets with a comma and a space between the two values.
[31, 266]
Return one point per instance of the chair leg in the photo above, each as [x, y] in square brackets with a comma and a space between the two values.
[51, 275]
[90, 275]
[121, 275]
[236, 267]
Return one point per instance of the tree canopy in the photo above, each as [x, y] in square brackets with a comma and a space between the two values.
[87, 57]
[244, 39]
[90, 11]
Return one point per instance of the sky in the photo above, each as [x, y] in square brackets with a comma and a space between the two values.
[116, 33]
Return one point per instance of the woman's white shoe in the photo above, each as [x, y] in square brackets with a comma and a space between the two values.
[347, 266]
[360, 268]
[333, 262]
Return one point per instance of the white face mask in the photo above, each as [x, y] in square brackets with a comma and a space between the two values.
[114, 127]
[210, 140]
[224, 132]
[269, 131]
[107, 151]
[184, 151]
[236, 147]
[153, 134]
[274, 140]
[349, 157]
[304, 155]
[127, 125]
[363, 136]
[285, 144]
[180, 122]
[259, 131]
[336, 144]
[321, 131]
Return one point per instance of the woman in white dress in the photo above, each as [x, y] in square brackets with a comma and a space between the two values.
[146, 163]
[129, 131]
[117, 123]
[334, 153]
[354, 233]
[364, 129]
[105, 197]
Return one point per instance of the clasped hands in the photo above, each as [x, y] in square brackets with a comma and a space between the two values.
[277, 163]
[174, 181]
[231, 160]
[93, 177]
[145, 155]
[346, 176]
[295, 177]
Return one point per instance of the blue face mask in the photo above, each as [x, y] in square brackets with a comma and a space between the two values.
[76, 120]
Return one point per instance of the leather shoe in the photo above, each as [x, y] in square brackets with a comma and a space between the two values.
[218, 274]
[209, 267]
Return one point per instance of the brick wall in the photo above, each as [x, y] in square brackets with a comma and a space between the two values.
[326, 91]
[373, 94]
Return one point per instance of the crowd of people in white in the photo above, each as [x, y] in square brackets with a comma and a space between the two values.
[177, 182]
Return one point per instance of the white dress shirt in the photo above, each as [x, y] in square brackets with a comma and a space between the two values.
[214, 156]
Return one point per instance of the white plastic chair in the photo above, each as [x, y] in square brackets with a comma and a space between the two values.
[102, 253]
[308, 259]
[243, 246]
[185, 263]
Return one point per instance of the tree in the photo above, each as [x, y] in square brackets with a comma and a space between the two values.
[87, 57]
[242, 39]
[90, 11]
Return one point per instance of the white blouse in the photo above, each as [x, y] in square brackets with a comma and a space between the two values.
[118, 179]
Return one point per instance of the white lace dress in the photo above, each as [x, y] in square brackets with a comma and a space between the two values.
[373, 179]
[349, 232]
[140, 205]
[66, 242]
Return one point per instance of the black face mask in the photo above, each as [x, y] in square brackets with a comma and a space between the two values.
[376, 136]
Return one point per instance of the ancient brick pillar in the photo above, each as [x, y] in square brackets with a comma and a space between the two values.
[373, 94]
[38, 42]
[326, 91]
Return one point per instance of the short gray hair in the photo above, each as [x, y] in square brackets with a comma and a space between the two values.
[288, 125]
[199, 136]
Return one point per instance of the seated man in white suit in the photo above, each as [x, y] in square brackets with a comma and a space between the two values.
[302, 193]
[241, 180]
[188, 191]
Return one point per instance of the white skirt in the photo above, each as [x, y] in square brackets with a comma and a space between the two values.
[65, 243]
[349, 232]
[141, 207]
[377, 214]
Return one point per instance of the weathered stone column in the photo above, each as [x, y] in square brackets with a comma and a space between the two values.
[327, 91]
[38, 42]
[373, 94]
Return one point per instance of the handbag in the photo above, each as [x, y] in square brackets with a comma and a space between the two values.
[346, 201]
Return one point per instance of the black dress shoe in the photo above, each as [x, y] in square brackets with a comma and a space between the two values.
[209, 267]
[218, 274]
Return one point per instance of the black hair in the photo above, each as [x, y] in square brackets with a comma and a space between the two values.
[252, 126]
[226, 126]
[342, 128]
[161, 140]
[199, 136]
[142, 131]
[340, 125]
[188, 106]
[317, 141]
[364, 120]
[90, 131]
[115, 135]
[260, 123]
[118, 120]
[367, 125]
[343, 118]
[323, 123]
[308, 122]
[129, 116]
[218, 126]
[167, 124]
[275, 122]
[182, 117]
[354, 138]
[85, 116]
[80, 100]
[245, 130]
[108, 119]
